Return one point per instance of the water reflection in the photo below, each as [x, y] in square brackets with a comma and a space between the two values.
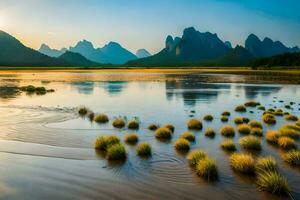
[114, 87]
[252, 91]
[83, 87]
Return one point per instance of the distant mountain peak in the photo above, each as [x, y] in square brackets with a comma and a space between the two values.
[142, 53]
[45, 49]
[114, 44]
[85, 44]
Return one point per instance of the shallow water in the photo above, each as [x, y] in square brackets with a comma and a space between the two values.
[47, 149]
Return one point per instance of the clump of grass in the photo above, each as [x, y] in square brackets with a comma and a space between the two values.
[298, 123]
[170, 127]
[251, 104]
[261, 108]
[250, 142]
[101, 118]
[188, 136]
[255, 124]
[131, 138]
[103, 142]
[207, 168]
[269, 118]
[292, 157]
[226, 113]
[266, 164]
[238, 120]
[224, 118]
[291, 117]
[243, 163]
[289, 130]
[292, 126]
[208, 117]
[118, 123]
[210, 132]
[227, 131]
[244, 129]
[272, 182]
[182, 145]
[195, 156]
[144, 149]
[286, 143]
[163, 133]
[83, 111]
[194, 124]
[228, 145]
[256, 132]
[246, 120]
[116, 152]
[272, 136]
[278, 112]
[134, 124]
[240, 108]
[288, 107]
[91, 116]
[153, 127]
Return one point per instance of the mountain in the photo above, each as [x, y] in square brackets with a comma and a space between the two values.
[77, 59]
[142, 53]
[112, 53]
[228, 44]
[45, 49]
[266, 47]
[286, 59]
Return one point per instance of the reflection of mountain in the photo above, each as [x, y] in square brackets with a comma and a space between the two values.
[114, 87]
[83, 87]
[252, 91]
[192, 92]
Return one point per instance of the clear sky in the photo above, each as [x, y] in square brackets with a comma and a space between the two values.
[146, 23]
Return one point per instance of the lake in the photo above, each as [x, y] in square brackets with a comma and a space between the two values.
[46, 148]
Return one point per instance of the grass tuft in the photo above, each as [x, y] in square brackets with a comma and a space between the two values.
[272, 136]
[240, 108]
[116, 152]
[207, 168]
[118, 123]
[252, 104]
[101, 118]
[226, 113]
[208, 117]
[131, 138]
[290, 130]
[272, 182]
[103, 142]
[195, 156]
[256, 132]
[292, 157]
[228, 145]
[170, 127]
[163, 133]
[266, 164]
[153, 127]
[255, 124]
[227, 131]
[210, 132]
[144, 149]
[261, 108]
[194, 124]
[286, 143]
[243, 163]
[244, 129]
[134, 124]
[83, 111]
[291, 117]
[238, 120]
[188, 136]
[182, 145]
[269, 118]
[224, 118]
[250, 142]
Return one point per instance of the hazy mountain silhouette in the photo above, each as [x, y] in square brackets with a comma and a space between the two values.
[142, 53]
[286, 59]
[266, 47]
[77, 59]
[45, 49]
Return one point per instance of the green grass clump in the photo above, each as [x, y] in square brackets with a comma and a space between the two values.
[269, 118]
[118, 123]
[133, 124]
[182, 145]
[207, 168]
[152, 127]
[292, 157]
[131, 138]
[238, 120]
[103, 142]
[210, 132]
[101, 118]
[144, 149]
[170, 127]
[289, 130]
[261, 108]
[195, 156]
[286, 143]
[228, 145]
[246, 120]
[250, 142]
[91, 116]
[244, 129]
[298, 123]
[163, 133]
[272, 136]
[243, 163]
[292, 126]
[266, 164]
[240, 108]
[255, 124]
[227, 131]
[252, 104]
[208, 117]
[256, 132]
[116, 152]
[194, 124]
[226, 113]
[188, 136]
[291, 117]
[224, 118]
[278, 112]
[272, 182]
[83, 111]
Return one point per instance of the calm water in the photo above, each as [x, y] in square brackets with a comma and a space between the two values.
[46, 149]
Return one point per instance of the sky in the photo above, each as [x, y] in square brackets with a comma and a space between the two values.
[145, 24]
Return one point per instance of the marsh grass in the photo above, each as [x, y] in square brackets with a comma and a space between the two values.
[250, 142]
[240, 108]
[188, 136]
[227, 131]
[119, 123]
[291, 117]
[261, 108]
[251, 104]
[269, 118]
[208, 117]
[255, 124]
[210, 132]
[244, 129]
[272, 136]
[131, 138]
[256, 132]
[182, 145]
[272, 182]
[170, 127]
[144, 149]
[207, 169]
[195, 156]
[83, 111]
[101, 118]
[238, 120]
[286, 143]
[91, 116]
[116, 152]
[103, 142]
[194, 124]
[266, 164]
[228, 145]
[153, 127]
[133, 124]
[224, 118]
[226, 113]
[290, 130]
[242, 163]
[163, 133]
[292, 157]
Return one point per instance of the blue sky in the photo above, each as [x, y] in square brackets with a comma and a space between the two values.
[145, 24]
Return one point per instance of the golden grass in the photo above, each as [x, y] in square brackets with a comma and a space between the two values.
[291, 117]
[194, 124]
[144, 149]
[286, 143]
[207, 168]
[255, 124]
[224, 118]
[133, 124]
[240, 108]
[250, 142]
[170, 127]
[195, 156]
[226, 113]
[131, 138]
[269, 118]
[266, 164]
[153, 127]
[101, 118]
[243, 163]
[256, 132]
[118, 123]
[210, 132]
[163, 133]
[272, 136]
[182, 145]
[290, 130]
[228, 145]
[272, 182]
[208, 117]
[83, 111]
[227, 131]
[116, 152]
[238, 120]
[103, 142]
[244, 129]
[292, 157]
[251, 104]
[188, 136]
